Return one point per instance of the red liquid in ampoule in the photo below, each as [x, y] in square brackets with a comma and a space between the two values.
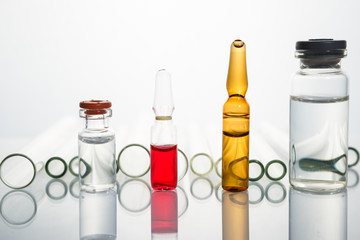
[164, 167]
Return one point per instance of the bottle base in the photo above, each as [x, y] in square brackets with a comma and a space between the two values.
[234, 189]
[162, 188]
[99, 236]
[317, 185]
[97, 188]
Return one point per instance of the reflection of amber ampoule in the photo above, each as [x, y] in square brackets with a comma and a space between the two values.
[235, 215]
[235, 170]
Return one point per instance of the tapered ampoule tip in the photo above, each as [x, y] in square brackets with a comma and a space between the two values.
[163, 102]
[238, 43]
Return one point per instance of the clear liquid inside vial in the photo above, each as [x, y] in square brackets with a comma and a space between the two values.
[318, 143]
[97, 166]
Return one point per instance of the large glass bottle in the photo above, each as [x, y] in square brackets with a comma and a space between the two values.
[235, 154]
[319, 106]
[97, 170]
[163, 136]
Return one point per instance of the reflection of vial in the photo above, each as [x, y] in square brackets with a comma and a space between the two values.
[164, 215]
[235, 155]
[163, 136]
[318, 215]
[97, 215]
[96, 147]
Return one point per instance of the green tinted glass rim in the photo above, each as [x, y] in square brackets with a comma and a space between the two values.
[273, 162]
[211, 164]
[119, 157]
[186, 200]
[120, 190]
[262, 192]
[216, 167]
[70, 168]
[275, 200]
[262, 170]
[71, 187]
[19, 155]
[356, 178]
[192, 186]
[55, 159]
[186, 163]
[357, 157]
[28, 195]
[48, 185]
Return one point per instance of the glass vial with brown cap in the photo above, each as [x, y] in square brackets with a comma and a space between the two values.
[97, 170]
[235, 154]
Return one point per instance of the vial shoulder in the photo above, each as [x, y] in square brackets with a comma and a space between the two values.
[98, 136]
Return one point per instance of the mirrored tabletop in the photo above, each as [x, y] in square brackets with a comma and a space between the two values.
[53, 207]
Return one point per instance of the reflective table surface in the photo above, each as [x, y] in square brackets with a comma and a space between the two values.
[55, 208]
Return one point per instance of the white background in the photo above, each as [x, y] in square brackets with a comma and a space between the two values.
[54, 54]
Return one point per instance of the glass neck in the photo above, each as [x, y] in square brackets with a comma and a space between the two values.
[320, 64]
[96, 123]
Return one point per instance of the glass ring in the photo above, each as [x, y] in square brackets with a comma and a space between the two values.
[51, 183]
[192, 190]
[54, 159]
[119, 157]
[71, 187]
[120, 188]
[27, 158]
[261, 173]
[356, 178]
[10, 221]
[70, 168]
[211, 164]
[216, 167]
[186, 163]
[267, 170]
[267, 192]
[357, 157]
[261, 189]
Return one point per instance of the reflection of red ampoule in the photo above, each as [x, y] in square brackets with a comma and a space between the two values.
[163, 136]
[164, 219]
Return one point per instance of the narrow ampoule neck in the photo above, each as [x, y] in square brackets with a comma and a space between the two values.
[237, 75]
[163, 118]
[97, 123]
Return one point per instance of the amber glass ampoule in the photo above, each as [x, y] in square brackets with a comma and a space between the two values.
[235, 155]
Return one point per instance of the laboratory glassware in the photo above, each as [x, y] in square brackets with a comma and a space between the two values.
[236, 112]
[163, 136]
[97, 169]
[319, 109]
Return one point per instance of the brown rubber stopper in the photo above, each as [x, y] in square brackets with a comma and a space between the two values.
[94, 107]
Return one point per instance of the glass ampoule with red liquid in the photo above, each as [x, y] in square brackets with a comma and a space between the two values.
[163, 136]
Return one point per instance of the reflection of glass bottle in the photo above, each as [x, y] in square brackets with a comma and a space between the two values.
[96, 147]
[319, 105]
[164, 215]
[163, 136]
[317, 215]
[235, 215]
[235, 171]
[98, 215]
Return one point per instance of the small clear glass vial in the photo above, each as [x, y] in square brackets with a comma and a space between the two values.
[97, 168]
[319, 109]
